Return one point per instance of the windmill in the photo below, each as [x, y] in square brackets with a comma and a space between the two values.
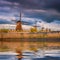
[19, 24]
[36, 26]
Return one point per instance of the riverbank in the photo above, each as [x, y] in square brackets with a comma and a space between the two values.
[30, 35]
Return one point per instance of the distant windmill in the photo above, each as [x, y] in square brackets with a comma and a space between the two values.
[35, 25]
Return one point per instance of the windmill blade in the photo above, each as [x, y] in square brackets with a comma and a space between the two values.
[23, 22]
[36, 26]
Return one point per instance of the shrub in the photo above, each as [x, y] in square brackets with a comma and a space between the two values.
[4, 30]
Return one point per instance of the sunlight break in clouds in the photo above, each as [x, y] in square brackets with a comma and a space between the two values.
[7, 18]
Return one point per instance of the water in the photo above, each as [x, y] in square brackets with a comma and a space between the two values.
[8, 57]
[14, 58]
[49, 56]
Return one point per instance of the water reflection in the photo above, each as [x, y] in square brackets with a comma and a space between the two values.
[30, 56]
[33, 44]
[46, 58]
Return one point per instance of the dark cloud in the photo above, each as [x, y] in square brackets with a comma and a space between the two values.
[45, 16]
[5, 22]
[46, 5]
[38, 4]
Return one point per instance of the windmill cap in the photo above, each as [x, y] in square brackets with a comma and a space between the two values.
[18, 21]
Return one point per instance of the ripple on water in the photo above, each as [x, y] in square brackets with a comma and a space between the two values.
[47, 57]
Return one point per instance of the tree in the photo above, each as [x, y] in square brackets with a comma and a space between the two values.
[33, 30]
[42, 29]
[49, 30]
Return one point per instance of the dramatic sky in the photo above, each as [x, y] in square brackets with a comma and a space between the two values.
[46, 13]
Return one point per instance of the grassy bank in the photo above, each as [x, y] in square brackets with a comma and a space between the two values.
[29, 35]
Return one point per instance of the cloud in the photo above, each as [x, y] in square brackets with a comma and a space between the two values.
[53, 25]
[7, 18]
[45, 15]
[11, 26]
[47, 11]
[6, 22]
[5, 9]
[8, 3]
[38, 4]
[5, 2]
[38, 9]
